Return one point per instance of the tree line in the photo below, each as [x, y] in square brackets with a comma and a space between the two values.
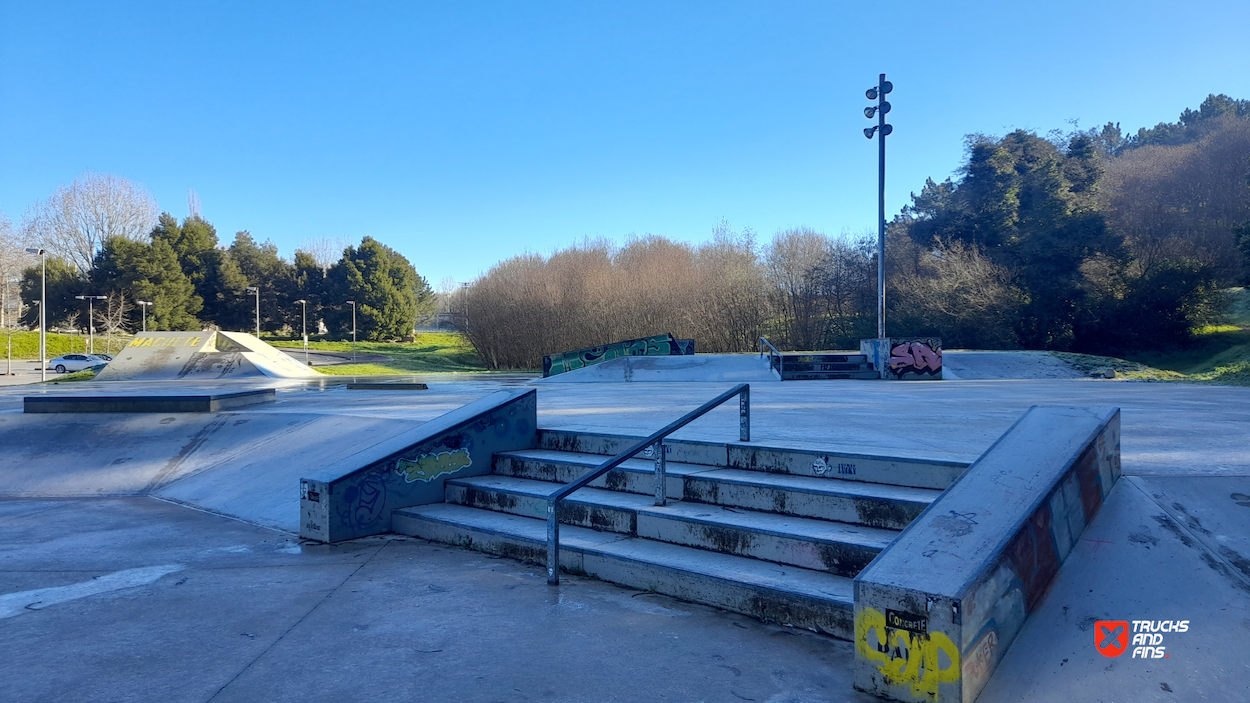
[1088, 241]
[104, 238]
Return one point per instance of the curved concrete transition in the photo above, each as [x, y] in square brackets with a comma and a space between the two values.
[163, 356]
[734, 368]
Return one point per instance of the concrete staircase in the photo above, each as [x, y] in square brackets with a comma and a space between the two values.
[766, 532]
[814, 366]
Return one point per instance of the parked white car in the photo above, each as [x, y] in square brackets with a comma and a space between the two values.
[75, 362]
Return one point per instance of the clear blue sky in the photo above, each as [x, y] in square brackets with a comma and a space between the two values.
[462, 133]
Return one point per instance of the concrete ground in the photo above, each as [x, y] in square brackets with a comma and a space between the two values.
[136, 598]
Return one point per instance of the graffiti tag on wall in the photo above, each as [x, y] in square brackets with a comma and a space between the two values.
[917, 358]
[904, 657]
[659, 345]
[427, 467]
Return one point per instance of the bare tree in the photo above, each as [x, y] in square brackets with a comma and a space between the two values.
[793, 262]
[75, 220]
[13, 260]
[113, 316]
[326, 251]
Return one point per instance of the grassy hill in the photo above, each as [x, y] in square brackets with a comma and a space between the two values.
[1221, 354]
[26, 344]
[433, 352]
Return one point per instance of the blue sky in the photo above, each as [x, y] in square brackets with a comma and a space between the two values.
[462, 133]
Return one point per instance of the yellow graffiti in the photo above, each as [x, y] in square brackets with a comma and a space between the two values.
[427, 467]
[165, 342]
[905, 657]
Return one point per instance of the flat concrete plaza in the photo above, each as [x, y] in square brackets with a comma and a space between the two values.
[145, 573]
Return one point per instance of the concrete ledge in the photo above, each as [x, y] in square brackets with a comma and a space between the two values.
[848, 466]
[146, 403]
[936, 611]
[387, 387]
[354, 497]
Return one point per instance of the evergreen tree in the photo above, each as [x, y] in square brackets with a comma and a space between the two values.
[261, 266]
[389, 293]
[150, 272]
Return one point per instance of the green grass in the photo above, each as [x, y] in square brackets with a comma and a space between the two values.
[1220, 354]
[433, 352]
[26, 344]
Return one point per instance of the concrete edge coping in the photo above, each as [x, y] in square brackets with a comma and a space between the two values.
[398, 444]
[145, 403]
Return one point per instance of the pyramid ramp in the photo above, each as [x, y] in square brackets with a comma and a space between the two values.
[200, 356]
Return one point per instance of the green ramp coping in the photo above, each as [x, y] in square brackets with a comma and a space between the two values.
[355, 497]
[161, 403]
[659, 345]
[936, 611]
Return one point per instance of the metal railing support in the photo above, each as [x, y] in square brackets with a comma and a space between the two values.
[655, 441]
[661, 474]
[553, 544]
[775, 359]
[744, 415]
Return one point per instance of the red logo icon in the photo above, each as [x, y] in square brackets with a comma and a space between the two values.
[1111, 637]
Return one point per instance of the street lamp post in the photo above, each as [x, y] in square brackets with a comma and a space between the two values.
[353, 304]
[43, 317]
[464, 288]
[304, 320]
[90, 313]
[883, 130]
[144, 304]
[256, 290]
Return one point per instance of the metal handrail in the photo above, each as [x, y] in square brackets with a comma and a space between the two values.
[772, 354]
[656, 439]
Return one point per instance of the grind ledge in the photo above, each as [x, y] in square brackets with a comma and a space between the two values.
[155, 403]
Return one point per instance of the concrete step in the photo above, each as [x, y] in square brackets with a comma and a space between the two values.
[813, 544]
[815, 358]
[820, 545]
[633, 476]
[896, 471]
[684, 451]
[869, 504]
[801, 374]
[596, 508]
[773, 593]
[872, 505]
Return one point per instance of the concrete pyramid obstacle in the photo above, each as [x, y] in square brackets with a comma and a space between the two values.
[199, 356]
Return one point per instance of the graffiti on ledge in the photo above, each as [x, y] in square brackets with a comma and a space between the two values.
[659, 345]
[916, 358]
[906, 657]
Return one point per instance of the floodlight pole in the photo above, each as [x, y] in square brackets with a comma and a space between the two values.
[353, 304]
[144, 305]
[91, 316]
[882, 130]
[256, 290]
[304, 319]
[43, 318]
[881, 208]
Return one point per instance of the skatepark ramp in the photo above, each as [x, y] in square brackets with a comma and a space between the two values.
[199, 356]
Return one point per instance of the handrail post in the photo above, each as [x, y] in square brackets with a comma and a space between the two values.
[744, 415]
[553, 545]
[661, 474]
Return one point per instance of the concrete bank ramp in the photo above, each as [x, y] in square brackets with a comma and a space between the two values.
[198, 356]
[970, 365]
[735, 368]
[242, 464]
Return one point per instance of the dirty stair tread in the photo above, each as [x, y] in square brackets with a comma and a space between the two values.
[794, 527]
[814, 484]
[779, 525]
[744, 570]
[535, 488]
[590, 461]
